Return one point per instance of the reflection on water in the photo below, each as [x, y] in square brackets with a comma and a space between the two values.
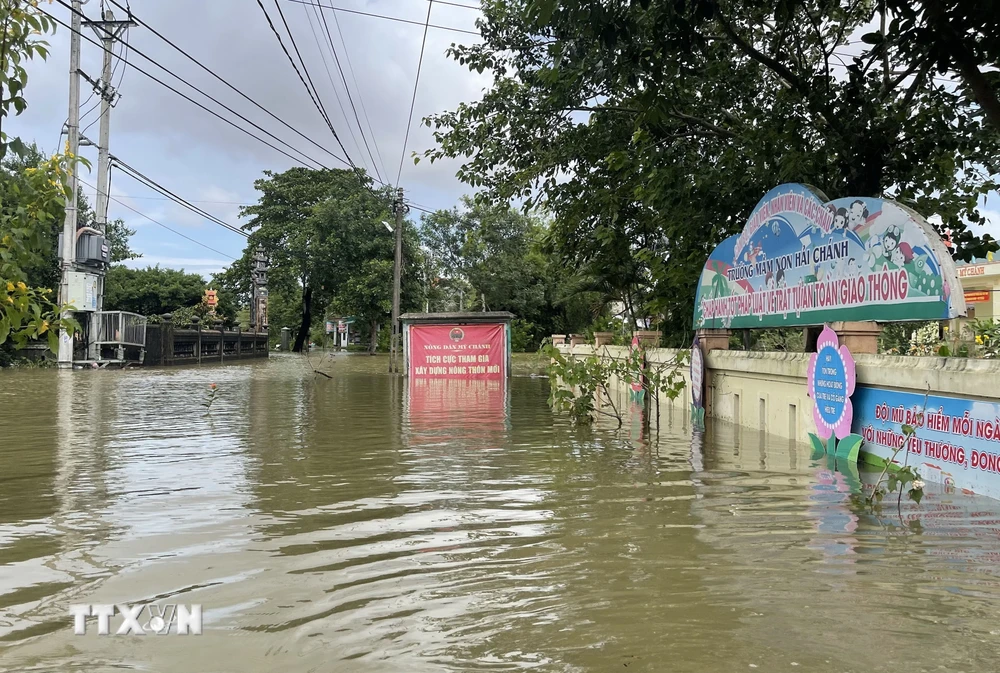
[366, 523]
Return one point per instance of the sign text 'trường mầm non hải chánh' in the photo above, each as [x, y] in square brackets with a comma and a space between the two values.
[800, 261]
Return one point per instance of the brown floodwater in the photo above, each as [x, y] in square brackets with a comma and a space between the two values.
[354, 523]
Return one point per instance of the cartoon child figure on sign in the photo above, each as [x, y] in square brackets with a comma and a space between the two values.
[840, 219]
[857, 215]
[888, 250]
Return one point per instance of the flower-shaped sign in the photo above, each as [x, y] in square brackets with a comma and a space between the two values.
[831, 380]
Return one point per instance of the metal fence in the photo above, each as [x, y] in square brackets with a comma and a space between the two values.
[119, 328]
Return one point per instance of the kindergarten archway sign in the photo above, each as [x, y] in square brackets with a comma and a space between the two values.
[801, 260]
[831, 380]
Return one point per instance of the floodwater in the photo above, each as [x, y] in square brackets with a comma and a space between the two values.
[353, 524]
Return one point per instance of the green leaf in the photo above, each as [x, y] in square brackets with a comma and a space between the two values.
[916, 495]
[545, 10]
[908, 429]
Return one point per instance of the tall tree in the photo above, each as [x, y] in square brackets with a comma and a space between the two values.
[296, 242]
[650, 129]
[31, 197]
[502, 256]
[322, 231]
[363, 253]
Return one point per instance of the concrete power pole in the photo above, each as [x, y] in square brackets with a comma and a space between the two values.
[68, 252]
[396, 279]
[108, 30]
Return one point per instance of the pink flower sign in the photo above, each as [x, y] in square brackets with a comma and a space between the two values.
[831, 379]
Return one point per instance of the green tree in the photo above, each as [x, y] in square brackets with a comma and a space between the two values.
[30, 197]
[151, 291]
[300, 245]
[650, 129]
[363, 254]
[500, 260]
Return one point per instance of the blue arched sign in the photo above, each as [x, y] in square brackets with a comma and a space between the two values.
[803, 261]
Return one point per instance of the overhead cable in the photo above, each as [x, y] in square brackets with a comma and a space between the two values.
[413, 100]
[388, 18]
[230, 85]
[194, 102]
[143, 215]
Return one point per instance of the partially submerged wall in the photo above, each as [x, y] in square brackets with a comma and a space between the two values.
[767, 390]
[959, 444]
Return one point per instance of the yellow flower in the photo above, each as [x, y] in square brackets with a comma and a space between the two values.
[10, 287]
[21, 286]
[979, 340]
[10, 300]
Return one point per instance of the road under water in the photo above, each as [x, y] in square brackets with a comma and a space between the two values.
[353, 524]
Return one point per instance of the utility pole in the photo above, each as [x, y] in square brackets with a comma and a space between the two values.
[400, 209]
[108, 30]
[68, 252]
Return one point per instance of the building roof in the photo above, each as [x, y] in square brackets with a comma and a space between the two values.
[462, 317]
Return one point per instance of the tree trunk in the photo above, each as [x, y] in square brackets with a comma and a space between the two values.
[373, 339]
[300, 338]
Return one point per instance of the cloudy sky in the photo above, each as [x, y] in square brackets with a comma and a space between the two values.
[202, 159]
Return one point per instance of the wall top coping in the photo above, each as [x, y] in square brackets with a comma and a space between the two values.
[960, 377]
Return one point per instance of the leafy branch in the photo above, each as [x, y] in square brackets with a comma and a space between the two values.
[906, 474]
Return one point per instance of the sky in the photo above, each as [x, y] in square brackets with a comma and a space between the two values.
[204, 160]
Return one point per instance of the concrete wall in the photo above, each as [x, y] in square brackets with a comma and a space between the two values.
[767, 391]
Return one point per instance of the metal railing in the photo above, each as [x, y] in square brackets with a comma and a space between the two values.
[119, 328]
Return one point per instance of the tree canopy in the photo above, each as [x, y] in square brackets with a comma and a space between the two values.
[500, 259]
[650, 129]
[32, 194]
[323, 234]
[151, 291]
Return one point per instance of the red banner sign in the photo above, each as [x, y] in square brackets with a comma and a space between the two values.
[468, 352]
[977, 296]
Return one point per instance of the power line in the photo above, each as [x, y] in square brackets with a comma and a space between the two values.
[329, 75]
[322, 16]
[123, 57]
[228, 84]
[316, 102]
[361, 98]
[421, 208]
[388, 18]
[149, 182]
[457, 4]
[144, 215]
[413, 101]
[194, 102]
[167, 198]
